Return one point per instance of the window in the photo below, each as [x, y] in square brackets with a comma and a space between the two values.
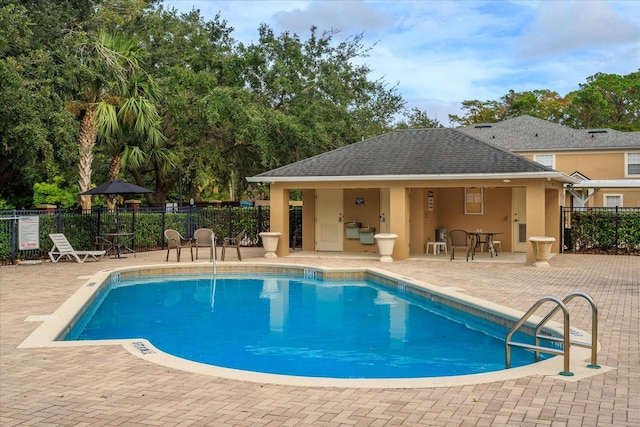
[612, 200]
[545, 160]
[632, 164]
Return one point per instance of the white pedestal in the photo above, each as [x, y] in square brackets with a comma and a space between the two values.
[270, 243]
[437, 247]
[385, 245]
[541, 250]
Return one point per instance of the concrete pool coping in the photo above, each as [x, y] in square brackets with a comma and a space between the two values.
[57, 324]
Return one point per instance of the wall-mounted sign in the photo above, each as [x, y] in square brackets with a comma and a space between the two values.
[28, 232]
[430, 201]
[473, 200]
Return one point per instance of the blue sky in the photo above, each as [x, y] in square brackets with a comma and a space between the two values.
[441, 53]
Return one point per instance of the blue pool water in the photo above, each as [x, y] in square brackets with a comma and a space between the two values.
[296, 326]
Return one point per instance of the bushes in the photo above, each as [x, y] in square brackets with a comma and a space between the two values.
[148, 225]
[606, 230]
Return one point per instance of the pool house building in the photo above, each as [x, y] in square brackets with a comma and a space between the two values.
[412, 183]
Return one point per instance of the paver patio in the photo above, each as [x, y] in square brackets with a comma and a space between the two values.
[106, 385]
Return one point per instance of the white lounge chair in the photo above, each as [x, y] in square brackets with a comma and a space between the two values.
[62, 248]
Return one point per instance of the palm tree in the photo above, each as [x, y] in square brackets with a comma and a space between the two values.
[107, 105]
[130, 130]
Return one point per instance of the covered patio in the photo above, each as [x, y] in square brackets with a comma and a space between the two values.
[412, 183]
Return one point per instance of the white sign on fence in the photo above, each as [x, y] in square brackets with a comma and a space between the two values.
[28, 232]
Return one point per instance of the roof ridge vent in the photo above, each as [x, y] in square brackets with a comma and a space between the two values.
[597, 131]
[482, 126]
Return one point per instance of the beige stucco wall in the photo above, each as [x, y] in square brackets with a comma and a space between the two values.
[367, 214]
[410, 218]
[597, 165]
[421, 220]
[630, 197]
[552, 223]
[448, 212]
[399, 199]
[593, 165]
[496, 216]
[308, 227]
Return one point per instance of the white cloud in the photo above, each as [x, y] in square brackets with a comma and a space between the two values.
[445, 52]
[348, 16]
[562, 27]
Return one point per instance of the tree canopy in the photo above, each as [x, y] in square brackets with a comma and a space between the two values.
[96, 89]
[605, 100]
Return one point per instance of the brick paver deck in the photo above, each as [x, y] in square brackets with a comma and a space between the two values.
[105, 385]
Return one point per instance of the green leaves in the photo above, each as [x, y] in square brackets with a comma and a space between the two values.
[606, 230]
[56, 193]
[313, 95]
[178, 100]
[36, 132]
[606, 100]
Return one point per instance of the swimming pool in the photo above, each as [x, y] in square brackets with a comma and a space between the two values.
[298, 326]
[387, 293]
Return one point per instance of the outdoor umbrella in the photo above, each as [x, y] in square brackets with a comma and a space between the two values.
[113, 188]
[116, 187]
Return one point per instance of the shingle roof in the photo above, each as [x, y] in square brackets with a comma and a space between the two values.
[526, 133]
[411, 152]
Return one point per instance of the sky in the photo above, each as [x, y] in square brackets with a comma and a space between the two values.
[440, 52]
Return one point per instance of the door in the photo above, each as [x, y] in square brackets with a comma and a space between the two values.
[519, 215]
[329, 224]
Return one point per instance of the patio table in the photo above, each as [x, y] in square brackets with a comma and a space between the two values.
[484, 238]
[120, 242]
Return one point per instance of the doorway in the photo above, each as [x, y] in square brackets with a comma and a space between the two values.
[329, 220]
[519, 215]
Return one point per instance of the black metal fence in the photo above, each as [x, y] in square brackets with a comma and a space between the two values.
[614, 231]
[147, 225]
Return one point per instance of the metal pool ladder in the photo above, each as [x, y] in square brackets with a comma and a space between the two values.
[565, 339]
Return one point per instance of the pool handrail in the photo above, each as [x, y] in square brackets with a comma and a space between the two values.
[566, 342]
[594, 328]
